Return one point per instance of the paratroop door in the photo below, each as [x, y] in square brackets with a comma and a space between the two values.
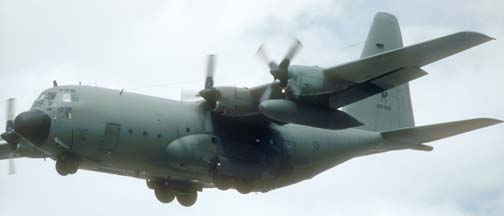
[111, 137]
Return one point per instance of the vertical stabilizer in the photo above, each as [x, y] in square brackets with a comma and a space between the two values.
[390, 109]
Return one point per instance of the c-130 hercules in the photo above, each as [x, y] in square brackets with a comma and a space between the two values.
[308, 120]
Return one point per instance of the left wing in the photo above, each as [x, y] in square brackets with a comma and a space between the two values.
[416, 55]
[371, 75]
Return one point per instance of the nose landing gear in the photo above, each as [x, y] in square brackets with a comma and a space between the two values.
[67, 164]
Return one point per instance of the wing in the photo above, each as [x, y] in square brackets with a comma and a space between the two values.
[371, 75]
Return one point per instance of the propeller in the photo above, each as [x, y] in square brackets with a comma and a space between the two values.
[281, 71]
[9, 134]
[210, 71]
[12, 165]
[209, 93]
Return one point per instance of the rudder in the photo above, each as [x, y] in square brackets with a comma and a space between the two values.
[390, 109]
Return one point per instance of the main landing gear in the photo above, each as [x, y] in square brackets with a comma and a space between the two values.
[67, 164]
[166, 191]
[223, 182]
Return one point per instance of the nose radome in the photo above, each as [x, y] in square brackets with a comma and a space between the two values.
[33, 125]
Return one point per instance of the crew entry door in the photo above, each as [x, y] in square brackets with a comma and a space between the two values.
[111, 137]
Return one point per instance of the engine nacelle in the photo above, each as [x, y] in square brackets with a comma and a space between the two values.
[194, 152]
[234, 101]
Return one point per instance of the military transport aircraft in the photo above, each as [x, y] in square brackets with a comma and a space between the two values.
[306, 121]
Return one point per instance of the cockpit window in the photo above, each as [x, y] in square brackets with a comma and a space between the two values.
[46, 96]
[68, 95]
[64, 113]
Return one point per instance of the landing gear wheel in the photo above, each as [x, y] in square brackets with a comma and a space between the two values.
[150, 184]
[164, 195]
[244, 187]
[61, 168]
[67, 164]
[187, 199]
[222, 183]
[66, 167]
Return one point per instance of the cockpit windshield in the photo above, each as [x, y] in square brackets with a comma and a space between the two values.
[62, 95]
[46, 96]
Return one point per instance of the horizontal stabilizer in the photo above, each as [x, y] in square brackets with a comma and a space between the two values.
[429, 133]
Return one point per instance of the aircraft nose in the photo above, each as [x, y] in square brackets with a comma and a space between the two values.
[33, 125]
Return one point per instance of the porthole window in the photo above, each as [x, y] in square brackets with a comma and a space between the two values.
[145, 133]
[130, 131]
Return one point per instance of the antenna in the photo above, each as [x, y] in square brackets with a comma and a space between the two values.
[55, 83]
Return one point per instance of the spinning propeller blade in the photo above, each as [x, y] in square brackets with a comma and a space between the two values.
[210, 71]
[280, 72]
[12, 165]
[9, 134]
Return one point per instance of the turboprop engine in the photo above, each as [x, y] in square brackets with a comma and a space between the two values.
[193, 152]
[230, 101]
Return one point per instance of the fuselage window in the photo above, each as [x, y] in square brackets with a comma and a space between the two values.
[64, 113]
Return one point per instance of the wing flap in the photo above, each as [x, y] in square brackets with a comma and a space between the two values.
[416, 55]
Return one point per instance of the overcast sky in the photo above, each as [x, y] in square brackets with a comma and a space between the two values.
[158, 47]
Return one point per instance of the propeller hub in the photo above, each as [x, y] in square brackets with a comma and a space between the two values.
[11, 138]
[33, 125]
[210, 95]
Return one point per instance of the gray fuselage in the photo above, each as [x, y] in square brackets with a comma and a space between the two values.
[129, 134]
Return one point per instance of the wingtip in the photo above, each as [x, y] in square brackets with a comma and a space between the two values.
[481, 36]
[489, 121]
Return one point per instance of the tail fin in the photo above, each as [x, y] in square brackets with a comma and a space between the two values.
[390, 109]
[415, 137]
